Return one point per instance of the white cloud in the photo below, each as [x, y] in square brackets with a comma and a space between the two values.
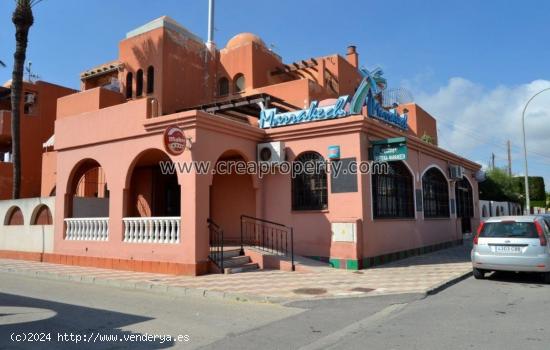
[474, 121]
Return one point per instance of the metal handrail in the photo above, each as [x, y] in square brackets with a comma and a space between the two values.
[216, 244]
[272, 243]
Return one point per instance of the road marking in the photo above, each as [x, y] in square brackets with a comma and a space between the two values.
[16, 314]
[354, 328]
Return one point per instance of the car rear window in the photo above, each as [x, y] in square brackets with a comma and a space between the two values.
[509, 229]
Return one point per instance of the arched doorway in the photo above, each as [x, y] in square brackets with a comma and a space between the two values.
[154, 190]
[465, 204]
[153, 200]
[231, 195]
[88, 191]
[87, 203]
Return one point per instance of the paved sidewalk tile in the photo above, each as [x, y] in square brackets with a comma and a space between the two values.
[416, 274]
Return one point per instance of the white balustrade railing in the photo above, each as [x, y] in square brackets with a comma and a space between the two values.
[87, 229]
[152, 229]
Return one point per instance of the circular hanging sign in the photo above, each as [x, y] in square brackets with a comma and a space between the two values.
[174, 140]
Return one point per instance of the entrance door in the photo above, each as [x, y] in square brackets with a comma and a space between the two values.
[231, 195]
[464, 204]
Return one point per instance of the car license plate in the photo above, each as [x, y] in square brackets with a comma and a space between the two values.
[507, 249]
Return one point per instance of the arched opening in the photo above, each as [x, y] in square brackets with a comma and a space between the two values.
[309, 188]
[152, 200]
[435, 194]
[129, 84]
[464, 203]
[87, 203]
[484, 211]
[392, 193]
[150, 80]
[223, 87]
[240, 83]
[231, 195]
[14, 216]
[498, 211]
[41, 215]
[152, 191]
[139, 83]
[88, 191]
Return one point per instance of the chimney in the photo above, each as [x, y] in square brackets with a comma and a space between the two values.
[210, 42]
[352, 56]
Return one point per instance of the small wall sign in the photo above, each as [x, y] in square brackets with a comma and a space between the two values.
[388, 150]
[333, 152]
[174, 140]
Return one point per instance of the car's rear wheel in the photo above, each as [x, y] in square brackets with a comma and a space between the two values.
[479, 274]
[546, 277]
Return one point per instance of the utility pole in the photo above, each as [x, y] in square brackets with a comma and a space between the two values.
[509, 146]
[493, 161]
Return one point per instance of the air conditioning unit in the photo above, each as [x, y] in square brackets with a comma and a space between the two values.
[456, 172]
[271, 152]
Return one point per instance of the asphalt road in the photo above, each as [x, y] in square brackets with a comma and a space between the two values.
[506, 311]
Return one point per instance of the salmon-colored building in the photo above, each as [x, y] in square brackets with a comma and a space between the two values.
[37, 111]
[116, 205]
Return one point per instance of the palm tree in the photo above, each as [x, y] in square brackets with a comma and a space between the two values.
[23, 19]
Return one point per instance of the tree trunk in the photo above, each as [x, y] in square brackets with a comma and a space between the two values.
[21, 37]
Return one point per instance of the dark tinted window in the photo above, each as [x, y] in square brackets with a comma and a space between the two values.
[509, 229]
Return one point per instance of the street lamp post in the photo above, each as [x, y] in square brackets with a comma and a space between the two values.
[527, 200]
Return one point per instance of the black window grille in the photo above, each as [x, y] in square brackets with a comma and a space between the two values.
[139, 83]
[392, 193]
[435, 192]
[464, 199]
[223, 87]
[150, 80]
[309, 187]
[129, 83]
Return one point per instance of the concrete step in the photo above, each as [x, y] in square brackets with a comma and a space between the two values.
[242, 268]
[228, 253]
[236, 261]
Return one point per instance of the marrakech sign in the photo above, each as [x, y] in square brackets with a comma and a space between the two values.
[389, 150]
[343, 107]
[174, 140]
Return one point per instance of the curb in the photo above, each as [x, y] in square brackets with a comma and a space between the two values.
[176, 291]
[448, 283]
[147, 287]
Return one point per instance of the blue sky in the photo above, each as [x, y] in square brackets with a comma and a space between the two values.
[470, 63]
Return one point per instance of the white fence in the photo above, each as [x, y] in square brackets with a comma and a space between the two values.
[27, 237]
[87, 229]
[152, 229]
[494, 208]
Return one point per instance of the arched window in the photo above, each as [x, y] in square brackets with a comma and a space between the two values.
[484, 211]
[41, 216]
[498, 211]
[239, 82]
[223, 87]
[309, 188]
[150, 80]
[14, 216]
[129, 84]
[139, 83]
[392, 193]
[435, 192]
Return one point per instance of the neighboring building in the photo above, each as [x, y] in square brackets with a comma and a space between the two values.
[38, 111]
[496, 208]
[116, 208]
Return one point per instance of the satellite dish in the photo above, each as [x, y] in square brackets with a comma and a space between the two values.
[480, 176]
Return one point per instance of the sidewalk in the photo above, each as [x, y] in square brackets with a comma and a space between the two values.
[421, 274]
